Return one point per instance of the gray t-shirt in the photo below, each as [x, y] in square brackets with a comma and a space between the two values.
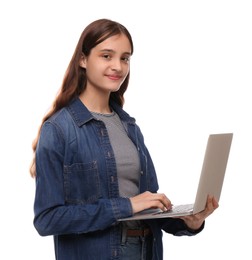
[127, 160]
[126, 154]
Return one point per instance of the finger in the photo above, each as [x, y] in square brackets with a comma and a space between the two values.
[215, 203]
[212, 204]
[164, 200]
[158, 200]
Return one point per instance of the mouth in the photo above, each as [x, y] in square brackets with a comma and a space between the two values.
[114, 77]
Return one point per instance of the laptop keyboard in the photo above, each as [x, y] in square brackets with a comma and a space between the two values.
[178, 209]
[182, 208]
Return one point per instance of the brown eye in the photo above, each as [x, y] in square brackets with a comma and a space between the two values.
[126, 59]
[106, 56]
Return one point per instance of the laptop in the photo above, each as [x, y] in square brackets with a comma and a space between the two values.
[210, 182]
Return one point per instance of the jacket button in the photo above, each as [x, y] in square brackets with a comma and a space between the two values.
[115, 253]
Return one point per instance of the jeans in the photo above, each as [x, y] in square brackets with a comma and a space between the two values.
[137, 248]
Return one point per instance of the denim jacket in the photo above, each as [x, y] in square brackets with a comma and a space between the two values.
[77, 198]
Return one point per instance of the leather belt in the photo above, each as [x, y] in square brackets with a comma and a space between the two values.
[138, 232]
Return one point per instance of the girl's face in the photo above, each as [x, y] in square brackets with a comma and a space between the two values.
[108, 64]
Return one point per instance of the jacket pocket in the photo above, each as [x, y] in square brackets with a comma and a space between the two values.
[81, 183]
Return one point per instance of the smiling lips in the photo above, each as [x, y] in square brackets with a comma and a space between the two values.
[114, 77]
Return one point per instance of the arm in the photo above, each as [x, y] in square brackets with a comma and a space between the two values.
[190, 225]
[194, 222]
[53, 215]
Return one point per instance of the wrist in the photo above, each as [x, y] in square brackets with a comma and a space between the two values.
[195, 228]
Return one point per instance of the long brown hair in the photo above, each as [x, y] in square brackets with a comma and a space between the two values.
[74, 82]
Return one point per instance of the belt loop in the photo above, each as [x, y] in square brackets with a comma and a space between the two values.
[143, 249]
[124, 235]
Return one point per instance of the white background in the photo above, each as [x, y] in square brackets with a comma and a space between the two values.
[190, 76]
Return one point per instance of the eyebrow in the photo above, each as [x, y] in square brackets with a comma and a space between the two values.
[112, 51]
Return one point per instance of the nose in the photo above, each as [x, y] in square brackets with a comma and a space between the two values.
[116, 65]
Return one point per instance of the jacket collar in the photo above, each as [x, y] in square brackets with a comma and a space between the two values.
[82, 115]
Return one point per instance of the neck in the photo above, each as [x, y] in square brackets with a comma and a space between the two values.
[96, 103]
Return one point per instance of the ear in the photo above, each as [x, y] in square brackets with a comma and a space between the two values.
[82, 61]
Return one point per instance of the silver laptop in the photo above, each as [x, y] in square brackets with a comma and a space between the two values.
[210, 182]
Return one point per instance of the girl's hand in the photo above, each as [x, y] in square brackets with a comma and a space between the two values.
[149, 200]
[194, 222]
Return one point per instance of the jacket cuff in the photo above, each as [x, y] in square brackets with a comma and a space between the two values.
[190, 232]
[121, 208]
